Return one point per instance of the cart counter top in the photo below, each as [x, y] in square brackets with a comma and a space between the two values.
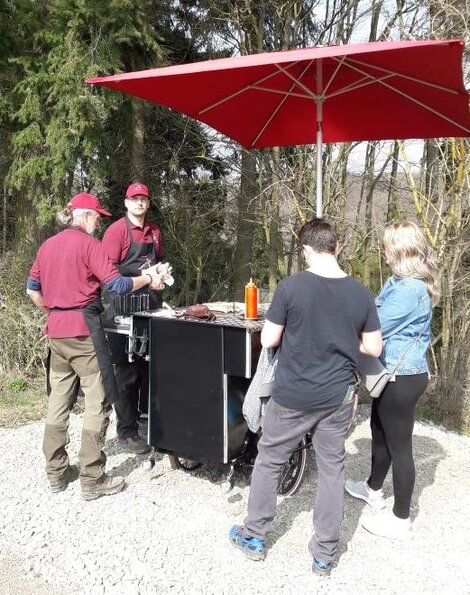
[224, 319]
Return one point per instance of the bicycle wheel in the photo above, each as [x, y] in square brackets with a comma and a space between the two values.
[293, 472]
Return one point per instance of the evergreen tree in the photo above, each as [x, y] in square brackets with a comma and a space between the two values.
[60, 122]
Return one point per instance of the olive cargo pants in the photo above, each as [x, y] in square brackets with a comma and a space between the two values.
[74, 360]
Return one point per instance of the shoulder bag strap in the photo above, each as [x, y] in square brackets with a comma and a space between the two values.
[408, 350]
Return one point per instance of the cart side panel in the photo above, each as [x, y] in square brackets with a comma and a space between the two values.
[241, 351]
[236, 424]
[186, 385]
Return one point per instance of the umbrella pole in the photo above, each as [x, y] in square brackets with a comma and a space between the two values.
[319, 171]
[319, 106]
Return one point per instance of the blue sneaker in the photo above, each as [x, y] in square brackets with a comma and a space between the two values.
[252, 547]
[322, 568]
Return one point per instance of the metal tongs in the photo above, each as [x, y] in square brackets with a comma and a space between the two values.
[137, 345]
[174, 313]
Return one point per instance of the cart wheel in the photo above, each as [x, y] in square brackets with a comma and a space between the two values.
[226, 486]
[148, 464]
[188, 464]
[293, 472]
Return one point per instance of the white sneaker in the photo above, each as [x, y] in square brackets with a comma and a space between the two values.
[360, 489]
[386, 524]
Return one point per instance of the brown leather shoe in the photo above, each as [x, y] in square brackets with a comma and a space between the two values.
[104, 486]
[71, 474]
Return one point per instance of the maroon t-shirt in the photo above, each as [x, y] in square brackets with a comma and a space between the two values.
[70, 267]
[117, 243]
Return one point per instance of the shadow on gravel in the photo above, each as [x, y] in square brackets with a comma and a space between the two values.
[428, 453]
[131, 463]
[216, 473]
[290, 507]
[126, 467]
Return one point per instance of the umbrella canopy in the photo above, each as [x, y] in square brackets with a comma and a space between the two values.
[356, 92]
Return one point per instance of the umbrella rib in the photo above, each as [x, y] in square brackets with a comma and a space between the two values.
[236, 93]
[286, 95]
[351, 62]
[257, 86]
[332, 77]
[410, 98]
[297, 81]
[266, 124]
[278, 92]
[427, 107]
[358, 85]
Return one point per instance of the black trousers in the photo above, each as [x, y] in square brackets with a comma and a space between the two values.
[132, 382]
[392, 422]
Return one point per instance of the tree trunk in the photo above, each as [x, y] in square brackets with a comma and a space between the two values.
[242, 265]
[274, 223]
[431, 181]
[137, 157]
[369, 191]
[392, 200]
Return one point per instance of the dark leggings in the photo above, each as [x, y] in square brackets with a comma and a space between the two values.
[392, 422]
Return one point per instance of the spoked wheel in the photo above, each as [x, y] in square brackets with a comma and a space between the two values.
[293, 472]
[188, 464]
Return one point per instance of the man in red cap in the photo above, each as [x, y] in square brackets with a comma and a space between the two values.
[65, 281]
[133, 242]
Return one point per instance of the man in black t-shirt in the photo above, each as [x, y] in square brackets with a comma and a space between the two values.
[321, 318]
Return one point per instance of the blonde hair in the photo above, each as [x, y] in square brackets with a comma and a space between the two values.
[409, 255]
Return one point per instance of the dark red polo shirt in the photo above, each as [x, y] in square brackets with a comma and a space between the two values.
[70, 267]
[117, 243]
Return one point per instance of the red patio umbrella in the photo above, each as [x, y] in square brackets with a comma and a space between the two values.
[356, 92]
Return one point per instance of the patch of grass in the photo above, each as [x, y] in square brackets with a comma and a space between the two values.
[457, 421]
[21, 401]
[429, 413]
[17, 385]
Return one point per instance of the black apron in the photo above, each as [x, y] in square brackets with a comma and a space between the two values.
[141, 255]
[91, 313]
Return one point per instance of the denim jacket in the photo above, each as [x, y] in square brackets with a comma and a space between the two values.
[404, 308]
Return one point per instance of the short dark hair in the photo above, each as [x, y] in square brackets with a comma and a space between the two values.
[319, 235]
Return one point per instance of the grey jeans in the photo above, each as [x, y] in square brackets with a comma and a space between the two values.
[282, 430]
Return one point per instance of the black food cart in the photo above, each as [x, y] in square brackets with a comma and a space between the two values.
[198, 374]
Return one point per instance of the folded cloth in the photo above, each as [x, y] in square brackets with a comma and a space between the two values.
[260, 388]
[199, 311]
[168, 279]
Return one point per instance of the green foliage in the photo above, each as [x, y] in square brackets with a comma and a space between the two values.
[24, 406]
[429, 413]
[195, 241]
[60, 135]
[17, 385]
[61, 121]
[23, 344]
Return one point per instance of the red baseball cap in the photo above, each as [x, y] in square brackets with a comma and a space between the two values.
[137, 189]
[87, 201]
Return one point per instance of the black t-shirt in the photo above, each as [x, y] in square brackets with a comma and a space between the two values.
[323, 319]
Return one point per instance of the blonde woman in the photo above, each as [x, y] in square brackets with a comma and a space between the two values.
[405, 309]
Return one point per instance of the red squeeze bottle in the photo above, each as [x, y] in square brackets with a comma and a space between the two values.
[251, 301]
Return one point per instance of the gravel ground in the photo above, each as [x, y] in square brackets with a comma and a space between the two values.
[167, 532]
